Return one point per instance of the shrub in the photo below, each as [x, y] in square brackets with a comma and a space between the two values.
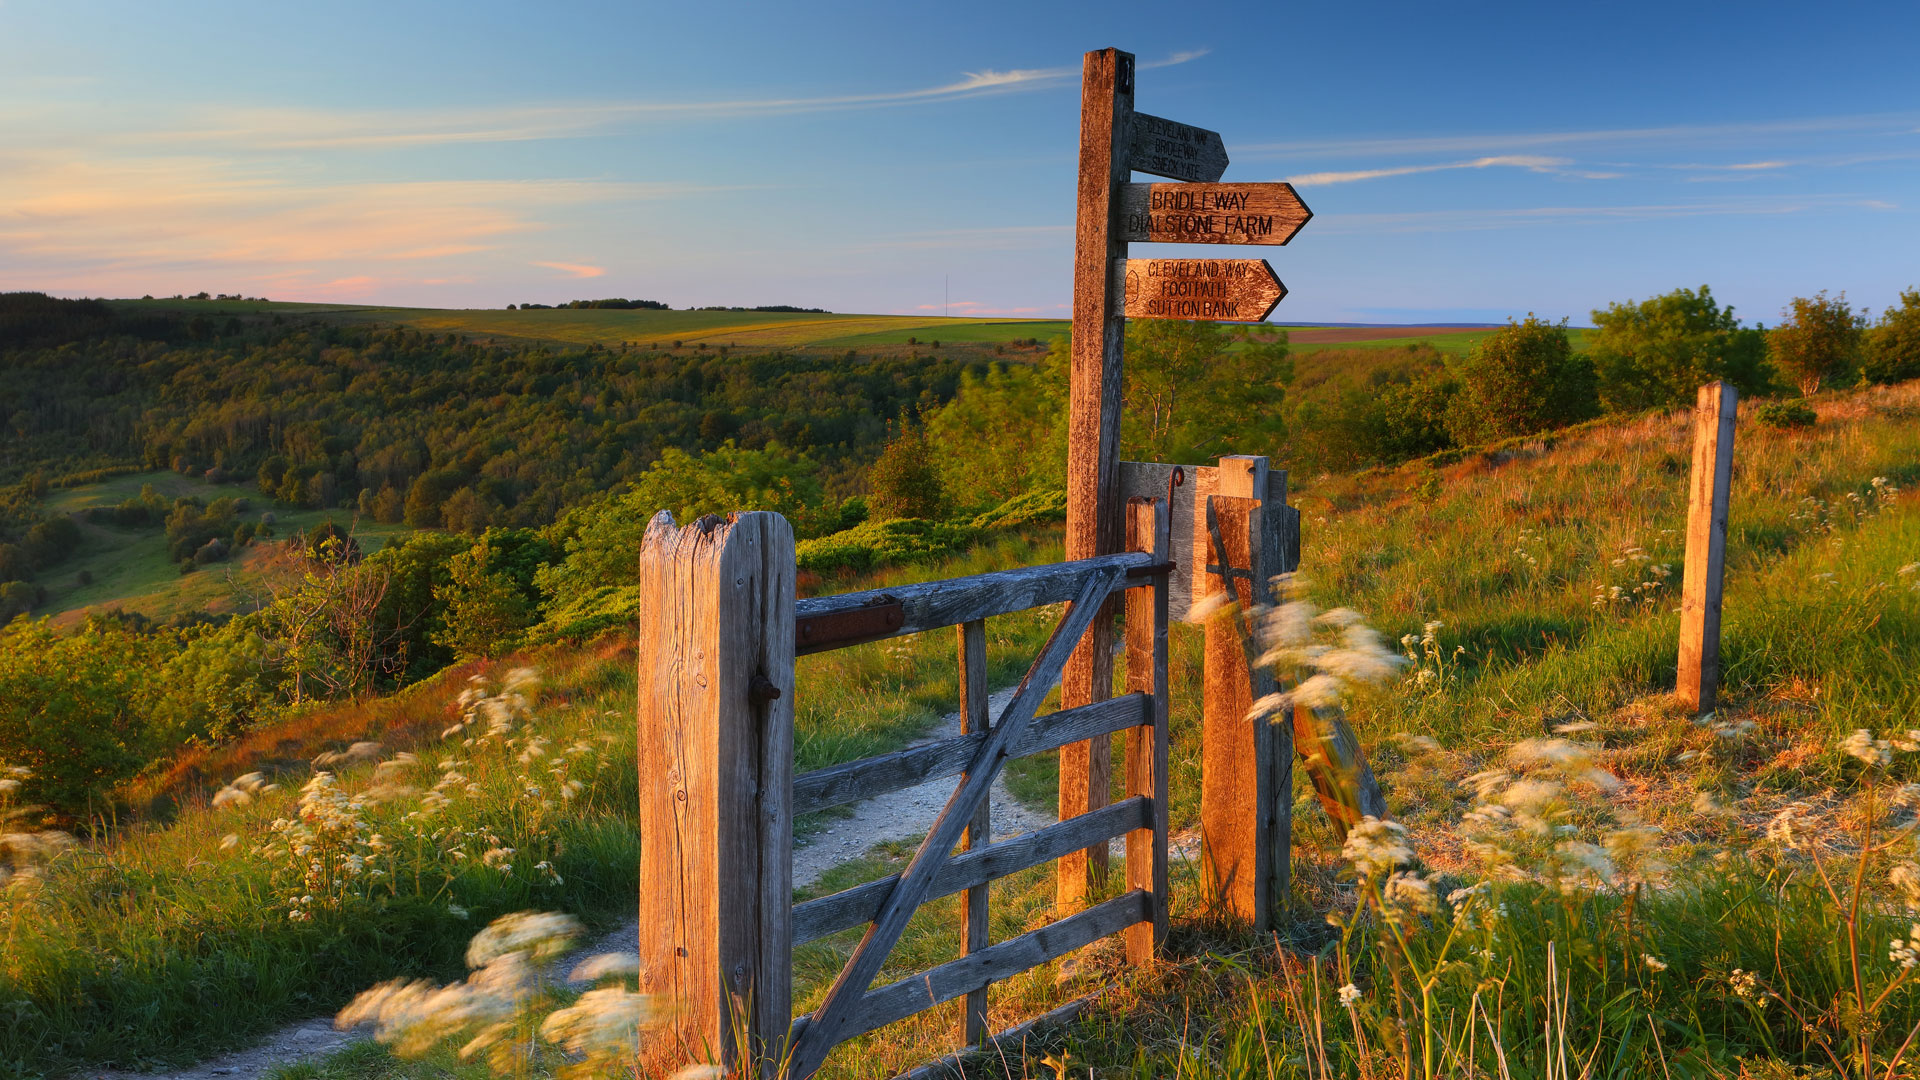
[904, 482]
[1523, 378]
[73, 707]
[1786, 414]
[1819, 341]
[878, 543]
[1891, 351]
[1033, 508]
[1655, 353]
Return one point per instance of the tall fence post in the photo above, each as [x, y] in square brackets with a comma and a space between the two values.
[1698, 683]
[1246, 789]
[1148, 524]
[1094, 518]
[716, 784]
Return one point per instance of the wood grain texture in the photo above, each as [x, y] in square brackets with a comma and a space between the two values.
[932, 605]
[828, 1025]
[715, 761]
[1238, 815]
[1147, 746]
[1220, 290]
[974, 720]
[1179, 151]
[868, 777]
[902, 999]
[1211, 213]
[1148, 480]
[816, 919]
[1698, 683]
[1093, 423]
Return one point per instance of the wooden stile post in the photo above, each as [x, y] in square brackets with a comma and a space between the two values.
[1147, 747]
[1246, 796]
[1699, 679]
[716, 781]
[1094, 518]
[974, 716]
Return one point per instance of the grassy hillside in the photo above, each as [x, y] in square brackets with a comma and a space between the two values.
[1505, 559]
[744, 329]
[127, 567]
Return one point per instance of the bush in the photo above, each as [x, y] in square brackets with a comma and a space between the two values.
[900, 540]
[904, 482]
[74, 708]
[1786, 414]
[1891, 351]
[1819, 341]
[1657, 352]
[1521, 379]
[1033, 508]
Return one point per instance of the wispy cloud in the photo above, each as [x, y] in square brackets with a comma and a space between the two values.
[1470, 220]
[1180, 57]
[1518, 161]
[285, 128]
[1507, 142]
[574, 270]
[136, 223]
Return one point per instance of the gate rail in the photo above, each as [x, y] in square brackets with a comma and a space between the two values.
[720, 628]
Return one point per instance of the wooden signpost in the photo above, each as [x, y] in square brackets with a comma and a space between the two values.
[1211, 213]
[1168, 147]
[1108, 289]
[1220, 290]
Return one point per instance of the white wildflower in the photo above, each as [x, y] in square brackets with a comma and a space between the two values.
[607, 966]
[1349, 995]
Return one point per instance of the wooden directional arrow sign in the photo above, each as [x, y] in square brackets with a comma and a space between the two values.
[1180, 151]
[1211, 213]
[1220, 290]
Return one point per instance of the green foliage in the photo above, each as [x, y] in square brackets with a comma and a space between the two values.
[1197, 390]
[905, 481]
[490, 599]
[1658, 352]
[74, 708]
[1048, 507]
[316, 413]
[602, 539]
[1786, 414]
[1004, 433]
[416, 566]
[1521, 379]
[1371, 407]
[1817, 341]
[898, 541]
[1891, 350]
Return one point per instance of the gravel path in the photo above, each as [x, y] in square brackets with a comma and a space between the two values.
[895, 816]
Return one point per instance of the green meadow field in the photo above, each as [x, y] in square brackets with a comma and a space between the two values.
[128, 568]
[754, 329]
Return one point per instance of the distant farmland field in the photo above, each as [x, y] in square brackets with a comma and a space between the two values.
[763, 329]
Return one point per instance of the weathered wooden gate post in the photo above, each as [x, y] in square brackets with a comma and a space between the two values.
[716, 783]
[1095, 523]
[1246, 788]
[1699, 679]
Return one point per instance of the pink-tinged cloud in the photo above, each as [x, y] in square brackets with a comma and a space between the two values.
[577, 270]
[974, 309]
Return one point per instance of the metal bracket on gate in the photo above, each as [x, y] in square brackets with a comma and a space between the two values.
[814, 633]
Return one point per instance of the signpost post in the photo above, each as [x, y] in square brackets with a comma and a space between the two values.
[1108, 289]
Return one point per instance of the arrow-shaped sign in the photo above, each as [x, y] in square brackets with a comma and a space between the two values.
[1220, 290]
[1211, 213]
[1180, 151]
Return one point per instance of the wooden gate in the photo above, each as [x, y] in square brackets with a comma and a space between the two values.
[719, 631]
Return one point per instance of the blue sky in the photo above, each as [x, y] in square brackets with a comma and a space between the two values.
[1464, 161]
